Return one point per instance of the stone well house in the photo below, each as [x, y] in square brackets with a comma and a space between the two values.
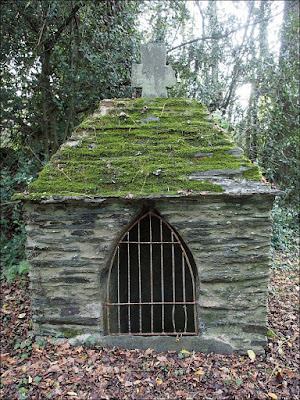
[150, 228]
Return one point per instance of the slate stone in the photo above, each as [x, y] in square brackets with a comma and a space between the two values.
[201, 155]
[226, 236]
[69, 311]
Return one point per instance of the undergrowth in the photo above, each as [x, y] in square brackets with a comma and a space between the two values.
[285, 226]
[17, 171]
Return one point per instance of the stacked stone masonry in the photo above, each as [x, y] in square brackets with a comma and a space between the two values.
[70, 245]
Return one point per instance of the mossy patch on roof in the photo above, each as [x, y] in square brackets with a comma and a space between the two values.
[141, 147]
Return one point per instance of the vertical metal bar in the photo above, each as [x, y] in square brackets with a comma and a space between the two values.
[151, 272]
[140, 277]
[118, 267]
[128, 283]
[194, 294]
[162, 278]
[194, 305]
[184, 294]
[108, 318]
[173, 282]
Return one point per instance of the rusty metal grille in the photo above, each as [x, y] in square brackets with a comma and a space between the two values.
[151, 283]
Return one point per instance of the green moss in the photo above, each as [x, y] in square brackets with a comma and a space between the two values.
[120, 154]
[70, 333]
[253, 174]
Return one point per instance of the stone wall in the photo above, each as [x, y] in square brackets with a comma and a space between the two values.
[70, 245]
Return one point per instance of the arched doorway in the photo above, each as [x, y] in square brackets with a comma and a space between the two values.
[151, 282]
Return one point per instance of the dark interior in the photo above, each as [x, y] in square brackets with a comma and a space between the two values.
[132, 281]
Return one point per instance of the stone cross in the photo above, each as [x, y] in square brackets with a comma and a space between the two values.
[153, 75]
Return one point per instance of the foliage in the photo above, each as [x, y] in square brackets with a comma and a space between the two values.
[286, 228]
[230, 51]
[59, 58]
[17, 173]
[270, 130]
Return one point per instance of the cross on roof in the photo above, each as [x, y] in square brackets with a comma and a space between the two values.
[153, 75]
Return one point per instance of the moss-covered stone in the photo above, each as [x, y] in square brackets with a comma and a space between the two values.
[141, 147]
[71, 333]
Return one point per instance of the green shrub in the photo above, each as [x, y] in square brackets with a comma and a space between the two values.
[285, 234]
[17, 171]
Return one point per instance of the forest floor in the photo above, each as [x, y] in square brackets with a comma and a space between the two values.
[32, 369]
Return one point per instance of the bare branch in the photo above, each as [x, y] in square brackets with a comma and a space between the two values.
[218, 37]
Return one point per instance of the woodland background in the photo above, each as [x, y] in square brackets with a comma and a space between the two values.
[59, 58]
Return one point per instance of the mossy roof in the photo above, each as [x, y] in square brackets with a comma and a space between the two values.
[135, 148]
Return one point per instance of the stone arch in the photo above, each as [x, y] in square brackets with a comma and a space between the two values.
[151, 288]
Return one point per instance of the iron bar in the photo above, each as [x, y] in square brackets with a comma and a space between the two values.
[151, 272]
[140, 277]
[162, 276]
[155, 303]
[183, 293]
[156, 334]
[119, 316]
[173, 284]
[108, 318]
[133, 242]
[128, 283]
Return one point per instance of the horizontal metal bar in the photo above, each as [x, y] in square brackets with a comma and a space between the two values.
[156, 334]
[131, 241]
[154, 303]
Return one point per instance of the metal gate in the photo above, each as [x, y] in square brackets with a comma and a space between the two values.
[151, 283]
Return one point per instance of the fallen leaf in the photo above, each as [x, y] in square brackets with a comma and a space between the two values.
[273, 396]
[183, 351]
[65, 345]
[148, 351]
[71, 394]
[22, 315]
[53, 368]
[4, 311]
[5, 357]
[162, 359]
[200, 372]
[159, 381]
[251, 355]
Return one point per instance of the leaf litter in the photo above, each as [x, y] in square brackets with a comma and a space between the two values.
[41, 369]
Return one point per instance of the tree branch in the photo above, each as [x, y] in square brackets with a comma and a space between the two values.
[66, 22]
[218, 37]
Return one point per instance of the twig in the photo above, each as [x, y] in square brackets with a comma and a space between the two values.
[10, 202]
[276, 366]
[163, 109]
[34, 154]
[144, 181]
[61, 170]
